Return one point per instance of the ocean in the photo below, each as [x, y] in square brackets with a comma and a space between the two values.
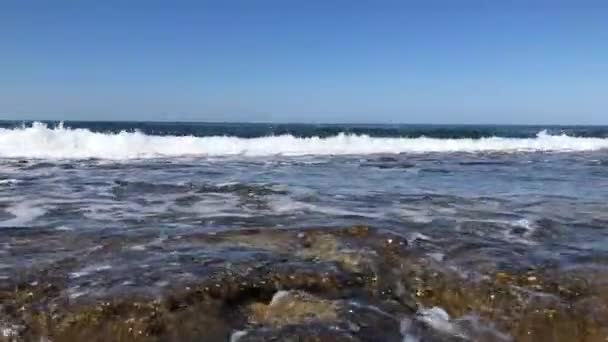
[334, 232]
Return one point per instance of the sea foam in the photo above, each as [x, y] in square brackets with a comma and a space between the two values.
[44, 142]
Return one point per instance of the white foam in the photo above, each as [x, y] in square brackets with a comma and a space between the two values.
[410, 338]
[436, 318]
[405, 326]
[138, 248]
[482, 330]
[468, 327]
[415, 215]
[8, 181]
[416, 236]
[89, 270]
[526, 237]
[278, 296]
[237, 335]
[438, 257]
[10, 330]
[218, 205]
[287, 205]
[524, 223]
[24, 212]
[41, 141]
[76, 291]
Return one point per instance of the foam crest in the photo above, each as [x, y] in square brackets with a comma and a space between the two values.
[41, 141]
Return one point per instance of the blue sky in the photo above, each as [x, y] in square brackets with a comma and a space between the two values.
[518, 62]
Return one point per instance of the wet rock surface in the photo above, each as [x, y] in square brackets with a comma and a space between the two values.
[346, 284]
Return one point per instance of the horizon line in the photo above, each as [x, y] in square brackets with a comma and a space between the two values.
[305, 123]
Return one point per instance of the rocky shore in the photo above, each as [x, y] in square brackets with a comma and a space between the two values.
[348, 284]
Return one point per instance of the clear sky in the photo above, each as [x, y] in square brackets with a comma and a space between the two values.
[504, 61]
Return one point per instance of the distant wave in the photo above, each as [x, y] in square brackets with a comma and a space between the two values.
[42, 141]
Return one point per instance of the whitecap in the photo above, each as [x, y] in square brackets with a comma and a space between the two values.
[41, 141]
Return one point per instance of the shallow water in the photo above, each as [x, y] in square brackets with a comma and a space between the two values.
[104, 228]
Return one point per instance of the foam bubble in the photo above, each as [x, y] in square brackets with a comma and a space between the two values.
[41, 141]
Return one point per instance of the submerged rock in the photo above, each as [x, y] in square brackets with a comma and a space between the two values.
[353, 284]
[293, 307]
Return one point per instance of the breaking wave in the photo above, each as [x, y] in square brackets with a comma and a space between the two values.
[44, 142]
